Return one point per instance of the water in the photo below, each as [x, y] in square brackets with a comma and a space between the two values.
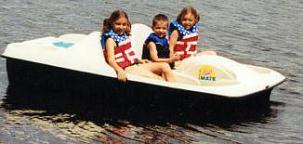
[265, 33]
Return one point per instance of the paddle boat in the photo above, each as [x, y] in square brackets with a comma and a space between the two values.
[201, 76]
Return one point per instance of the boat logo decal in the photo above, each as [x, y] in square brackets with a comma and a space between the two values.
[63, 44]
[207, 72]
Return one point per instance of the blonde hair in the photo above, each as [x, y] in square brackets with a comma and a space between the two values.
[186, 10]
[108, 22]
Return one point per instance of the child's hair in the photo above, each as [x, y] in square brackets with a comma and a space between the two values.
[159, 17]
[186, 10]
[108, 22]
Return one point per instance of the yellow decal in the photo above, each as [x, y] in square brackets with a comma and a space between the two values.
[207, 72]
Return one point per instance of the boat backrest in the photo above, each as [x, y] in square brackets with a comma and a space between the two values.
[88, 50]
[138, 35]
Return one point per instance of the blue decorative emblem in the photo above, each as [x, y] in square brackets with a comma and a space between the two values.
[62, 44]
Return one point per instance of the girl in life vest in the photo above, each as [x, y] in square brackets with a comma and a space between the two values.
[156, 47]
[119, 53]
[183, 34]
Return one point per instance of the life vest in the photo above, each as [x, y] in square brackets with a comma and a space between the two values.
[161, 46]
[186, 45]
[124, 54]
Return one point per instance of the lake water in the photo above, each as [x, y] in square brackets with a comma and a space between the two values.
[265, 33]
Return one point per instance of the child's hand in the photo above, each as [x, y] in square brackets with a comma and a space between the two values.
[121, 75]
[174, 57]
[171, 54]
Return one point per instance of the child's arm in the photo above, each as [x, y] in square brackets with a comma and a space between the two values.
[110, 50]
[154, 54]
[172, 41]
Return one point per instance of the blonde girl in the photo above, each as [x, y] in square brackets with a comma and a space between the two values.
[183, 34]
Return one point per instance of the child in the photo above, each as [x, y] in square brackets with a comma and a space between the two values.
[155, 47]
[183, 34]
[119, 53]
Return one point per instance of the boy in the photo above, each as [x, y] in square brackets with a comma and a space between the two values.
[156, 46]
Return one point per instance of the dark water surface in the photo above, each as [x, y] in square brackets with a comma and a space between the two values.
[265, 33]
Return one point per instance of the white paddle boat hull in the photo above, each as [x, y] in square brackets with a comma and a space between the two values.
[199, 76]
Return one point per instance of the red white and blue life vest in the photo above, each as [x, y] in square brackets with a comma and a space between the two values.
[124, 54]
[186, 45]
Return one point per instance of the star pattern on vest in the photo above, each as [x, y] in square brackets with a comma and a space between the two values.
[183, 31]
[116, 37]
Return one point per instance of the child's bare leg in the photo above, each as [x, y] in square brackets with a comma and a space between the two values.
[168, 74]
[160, 69]
[141, 71]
